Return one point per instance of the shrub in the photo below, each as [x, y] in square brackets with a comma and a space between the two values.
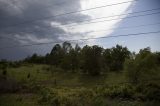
[55, 101]
[28, 76]
[142, 67]
[45, 94]
[119, 91]
[4, 72]
[150, 91]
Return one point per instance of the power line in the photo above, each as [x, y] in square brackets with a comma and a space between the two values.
[136, 34]
[73, 12]
[121, 28]
[101, 30]
[115, 19]
[115, 15]
[106, 20]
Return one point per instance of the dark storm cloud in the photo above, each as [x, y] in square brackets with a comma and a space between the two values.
[29, 21]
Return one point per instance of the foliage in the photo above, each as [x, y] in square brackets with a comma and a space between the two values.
[95, 97]
[57, 80]
[4, 72]
[35, 59]
[91, 57]
[71, 94]
[148, 91]
[122, 91]
[114, 58]
[143, 67]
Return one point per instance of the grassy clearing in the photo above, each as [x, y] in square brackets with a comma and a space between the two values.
[71, 89]
[39, 73]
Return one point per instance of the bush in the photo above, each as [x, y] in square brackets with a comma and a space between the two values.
[55, 101]
[150, 91]
[45, 95]
[28, 76]
[95, 97]
[143, 67]
[119, 91]
[4, 72]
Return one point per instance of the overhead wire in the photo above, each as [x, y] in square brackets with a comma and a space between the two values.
[130, 13]
[106, 20]
[30, 21]
[73, 12]
[114, 19]
[101, 30]
[70, 25]
[72, 40]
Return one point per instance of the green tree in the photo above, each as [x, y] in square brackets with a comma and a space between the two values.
[56, 55]
[92, 57]
[114, 58]
[74, 56]
[143, 67]
[35, 59]
[107, 58]
[71, 57]
[66, 63]
[66, 46]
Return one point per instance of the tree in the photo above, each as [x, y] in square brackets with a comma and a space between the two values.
[158, 58]
[74, 59]
[56, 55]
[92, 59]
[35, 59]
[115, 57]
[71, 58]
[77, 48]
[3, 67]
[66, 60]
[107, 56]
[143, 67]
[66, 46]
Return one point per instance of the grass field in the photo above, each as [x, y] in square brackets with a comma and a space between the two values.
[39, 74]
[55, 87]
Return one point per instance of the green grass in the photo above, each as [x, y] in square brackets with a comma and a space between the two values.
[70, 79]
[18, 100]
[69, 95]
[69, 86]
[35, 71]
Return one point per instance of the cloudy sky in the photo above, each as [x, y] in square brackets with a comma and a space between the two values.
[27, 22]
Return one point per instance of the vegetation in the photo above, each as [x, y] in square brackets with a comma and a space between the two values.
[89, 59]
[88, 76]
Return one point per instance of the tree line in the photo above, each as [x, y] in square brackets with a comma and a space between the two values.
[89, 59]
[142, 71]
[95, 59]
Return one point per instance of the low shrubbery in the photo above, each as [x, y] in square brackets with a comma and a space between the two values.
[118, 91]
[93, 97]
[148, 91]
[8, 85]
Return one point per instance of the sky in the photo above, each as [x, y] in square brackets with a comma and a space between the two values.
[27, 22]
